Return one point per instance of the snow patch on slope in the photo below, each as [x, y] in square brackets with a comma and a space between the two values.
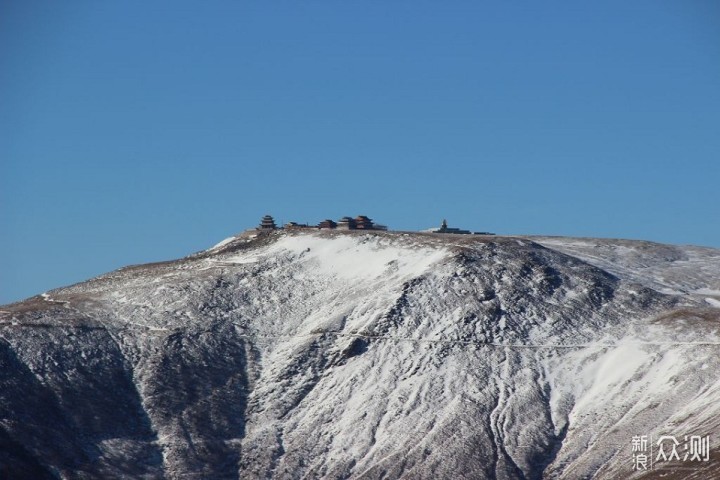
[220, 244]
[351, 257]
[713, 302]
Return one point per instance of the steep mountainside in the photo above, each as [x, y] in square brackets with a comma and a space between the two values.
[367, 355]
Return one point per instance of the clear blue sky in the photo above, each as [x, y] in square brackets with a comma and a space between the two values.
[135, 131]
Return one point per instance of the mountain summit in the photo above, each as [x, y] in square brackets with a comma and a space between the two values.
[368, 354]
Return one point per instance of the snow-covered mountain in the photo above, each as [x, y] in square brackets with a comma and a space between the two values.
[327, 354]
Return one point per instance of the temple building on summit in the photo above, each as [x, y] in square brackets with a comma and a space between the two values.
[361, 222]
[445, 229]
[267, 223]
[457, 231]
[327, 224]
[346, 223]
[364, 223]
[296, 226]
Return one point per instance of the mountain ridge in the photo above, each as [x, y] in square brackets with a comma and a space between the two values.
[366, 355]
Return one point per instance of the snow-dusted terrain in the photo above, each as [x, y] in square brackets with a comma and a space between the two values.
[327, 354]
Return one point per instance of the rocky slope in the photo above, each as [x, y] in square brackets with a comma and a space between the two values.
[367, 355]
